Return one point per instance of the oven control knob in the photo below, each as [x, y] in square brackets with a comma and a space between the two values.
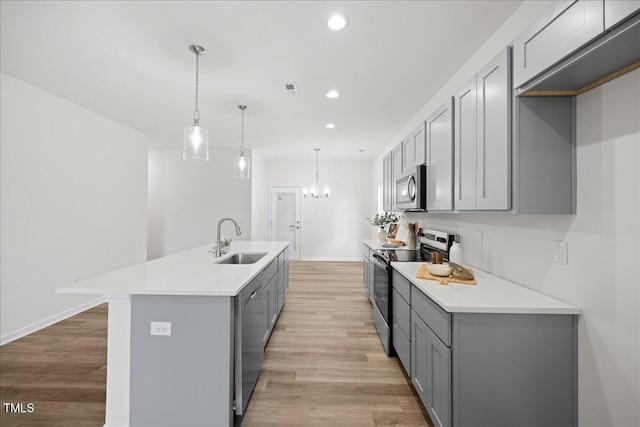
[441, 239]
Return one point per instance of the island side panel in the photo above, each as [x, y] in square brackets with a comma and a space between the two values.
[118, 360]
[183, 379]
[514, 370]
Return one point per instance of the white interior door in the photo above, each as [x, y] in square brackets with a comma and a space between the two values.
[285, 217]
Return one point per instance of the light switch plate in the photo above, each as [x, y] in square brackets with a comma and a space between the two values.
[161, 328]
[560, 252]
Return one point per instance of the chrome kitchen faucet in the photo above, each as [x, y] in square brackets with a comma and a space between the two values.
[238, 232]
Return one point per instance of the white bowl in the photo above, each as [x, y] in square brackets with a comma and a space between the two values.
[439, 269]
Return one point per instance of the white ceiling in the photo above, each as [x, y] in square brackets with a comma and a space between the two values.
[129, 61]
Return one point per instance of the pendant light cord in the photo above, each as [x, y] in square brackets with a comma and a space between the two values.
[196, 113]
[242, 135]
[242, 108]
[317, 186]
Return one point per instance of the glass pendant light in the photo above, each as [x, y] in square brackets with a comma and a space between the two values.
[196, 138]
[314, 190]
[242, 164]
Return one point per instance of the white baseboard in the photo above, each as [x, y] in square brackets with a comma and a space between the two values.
[22, 332]
[330, 259]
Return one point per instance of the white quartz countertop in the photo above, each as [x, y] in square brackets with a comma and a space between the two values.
[375, 244]
[490, 294]
[191, 272]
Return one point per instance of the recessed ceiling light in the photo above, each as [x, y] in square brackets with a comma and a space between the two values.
[332, 94]
[337, 22]
[330, 126]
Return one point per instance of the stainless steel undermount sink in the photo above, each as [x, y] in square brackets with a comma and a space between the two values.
[242, 258]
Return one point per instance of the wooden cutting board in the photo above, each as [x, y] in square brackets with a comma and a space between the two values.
[423, 273]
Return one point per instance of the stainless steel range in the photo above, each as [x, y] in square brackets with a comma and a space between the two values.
[430, 241]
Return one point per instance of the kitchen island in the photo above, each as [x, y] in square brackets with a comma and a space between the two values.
[186, 333]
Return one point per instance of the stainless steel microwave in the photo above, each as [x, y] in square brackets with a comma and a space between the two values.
[410, 191]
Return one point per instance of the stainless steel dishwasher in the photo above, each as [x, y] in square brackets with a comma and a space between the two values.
[251, 326]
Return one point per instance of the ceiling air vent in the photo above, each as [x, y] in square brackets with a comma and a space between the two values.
[291, 89]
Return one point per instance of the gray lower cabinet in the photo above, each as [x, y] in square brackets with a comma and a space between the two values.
[439, 158]
[562, 29]
[488, 369]
[431, 357]
[438, 380]
[280, 293]
[272, 306]
[286, 278]
[401, 324]
[514, 370]
[419, 352]
[401, 345]
[368, 273]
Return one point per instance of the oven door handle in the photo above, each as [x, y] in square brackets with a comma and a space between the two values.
[379, 260]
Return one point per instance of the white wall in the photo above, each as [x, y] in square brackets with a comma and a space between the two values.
[186, 200]
[73, 198]
[332, 228]
[259, 203]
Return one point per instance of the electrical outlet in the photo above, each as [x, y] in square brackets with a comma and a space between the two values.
[560, 252]
[161, 328]
[479, 238]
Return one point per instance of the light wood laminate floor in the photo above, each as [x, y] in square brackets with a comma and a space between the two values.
[324, 364]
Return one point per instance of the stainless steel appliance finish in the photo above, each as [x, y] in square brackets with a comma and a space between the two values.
[435, 241]
[430, 241]
[382, 300]
[382, 294]
[250, 315]
[410, 189]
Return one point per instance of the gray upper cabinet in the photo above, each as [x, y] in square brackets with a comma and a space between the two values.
[617, 10]
[465, 134]
[494, 134]
[396, 168]
[482, 135]
[396, 160]
[387, 183]
[439, 159]
[562, 29]
[544, 165]
[413, 148]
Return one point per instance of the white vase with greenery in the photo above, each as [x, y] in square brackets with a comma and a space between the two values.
[382, 222]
